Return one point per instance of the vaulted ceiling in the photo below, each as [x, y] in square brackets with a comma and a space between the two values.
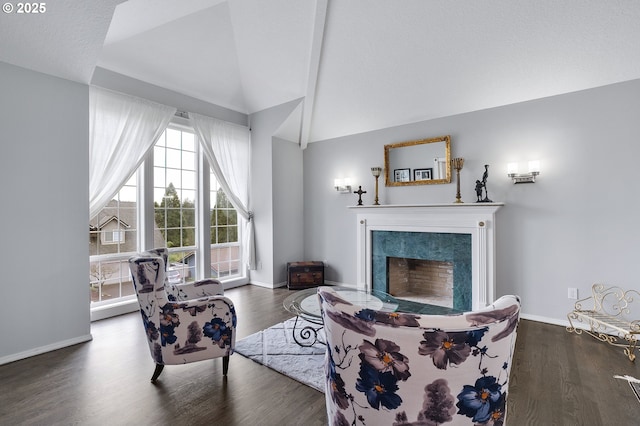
[358, 65]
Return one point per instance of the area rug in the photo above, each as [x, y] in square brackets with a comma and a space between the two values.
[276, 349]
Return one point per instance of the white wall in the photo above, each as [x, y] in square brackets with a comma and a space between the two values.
[577, 225]
[44, 130]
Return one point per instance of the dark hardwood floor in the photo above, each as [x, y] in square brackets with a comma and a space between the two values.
[557, 379]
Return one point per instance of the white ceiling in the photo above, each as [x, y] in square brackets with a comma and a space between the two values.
[359, 65]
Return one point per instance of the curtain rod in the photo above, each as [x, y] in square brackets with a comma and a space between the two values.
[185, 115]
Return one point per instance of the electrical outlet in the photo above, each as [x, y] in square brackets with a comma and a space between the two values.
[572, 293]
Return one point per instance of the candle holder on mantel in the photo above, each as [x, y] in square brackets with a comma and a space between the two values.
[457, 164]
[375, 171]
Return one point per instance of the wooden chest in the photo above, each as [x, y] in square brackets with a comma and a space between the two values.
[304, 275]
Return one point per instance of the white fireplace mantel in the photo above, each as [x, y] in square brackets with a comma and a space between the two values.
[477, 219]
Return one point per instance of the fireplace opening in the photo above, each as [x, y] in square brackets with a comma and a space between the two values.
[420, 280]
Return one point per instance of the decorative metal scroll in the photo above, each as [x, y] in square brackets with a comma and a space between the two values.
[610, 315]
[306, 333]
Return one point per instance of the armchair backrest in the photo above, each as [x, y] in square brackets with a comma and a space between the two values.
[162, 252]
[390, 368]
[149, 272]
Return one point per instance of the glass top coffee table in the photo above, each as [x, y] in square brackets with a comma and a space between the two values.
[304, 304]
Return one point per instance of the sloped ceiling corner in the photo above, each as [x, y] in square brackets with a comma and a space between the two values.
[290, 128]
[360, 65]
[64, 40]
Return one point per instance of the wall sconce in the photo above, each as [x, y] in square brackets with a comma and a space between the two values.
[530, 177]
[343, 185]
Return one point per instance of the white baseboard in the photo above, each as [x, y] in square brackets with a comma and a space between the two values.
[261, 284]
[553, 321]
[47, 348]
[236, 282]
[327, 282]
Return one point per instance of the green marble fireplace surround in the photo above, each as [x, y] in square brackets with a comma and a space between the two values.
[443, 247]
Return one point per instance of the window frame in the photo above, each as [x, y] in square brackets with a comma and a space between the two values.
[146, 221]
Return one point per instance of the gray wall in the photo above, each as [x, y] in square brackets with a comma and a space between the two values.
[288, 218]
[44, 124]
[276, 195]
[577, 225]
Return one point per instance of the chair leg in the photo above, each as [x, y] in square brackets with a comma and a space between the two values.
[225, 365]
[157, 372]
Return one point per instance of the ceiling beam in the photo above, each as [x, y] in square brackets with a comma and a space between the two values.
[314, 67]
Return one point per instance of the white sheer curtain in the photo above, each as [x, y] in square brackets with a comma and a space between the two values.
[227, 147]
[122, 129]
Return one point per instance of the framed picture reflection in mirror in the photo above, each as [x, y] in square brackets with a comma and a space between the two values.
[402, 175]
[423, 174]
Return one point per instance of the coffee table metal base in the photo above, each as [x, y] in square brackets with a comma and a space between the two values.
[307, 333]
[304, 304]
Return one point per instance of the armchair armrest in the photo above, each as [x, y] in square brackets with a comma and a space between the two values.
[202, 301]
[202, 328]
[195, 290]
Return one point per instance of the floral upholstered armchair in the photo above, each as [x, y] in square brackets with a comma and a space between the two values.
[183, 323]
[391, 368]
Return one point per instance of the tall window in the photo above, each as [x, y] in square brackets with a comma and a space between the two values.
[175, 191]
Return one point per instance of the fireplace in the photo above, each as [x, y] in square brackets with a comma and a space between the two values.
[459, 234]
[419, 280]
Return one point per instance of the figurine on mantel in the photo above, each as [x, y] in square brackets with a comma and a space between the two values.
[482, 185]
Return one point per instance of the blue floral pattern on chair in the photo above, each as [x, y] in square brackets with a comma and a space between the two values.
[180, 329]
[401, 369]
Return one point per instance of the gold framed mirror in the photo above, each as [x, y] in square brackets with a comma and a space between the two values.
[419, 162]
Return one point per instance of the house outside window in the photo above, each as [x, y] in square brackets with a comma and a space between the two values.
[111, 236]
[175, 187]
